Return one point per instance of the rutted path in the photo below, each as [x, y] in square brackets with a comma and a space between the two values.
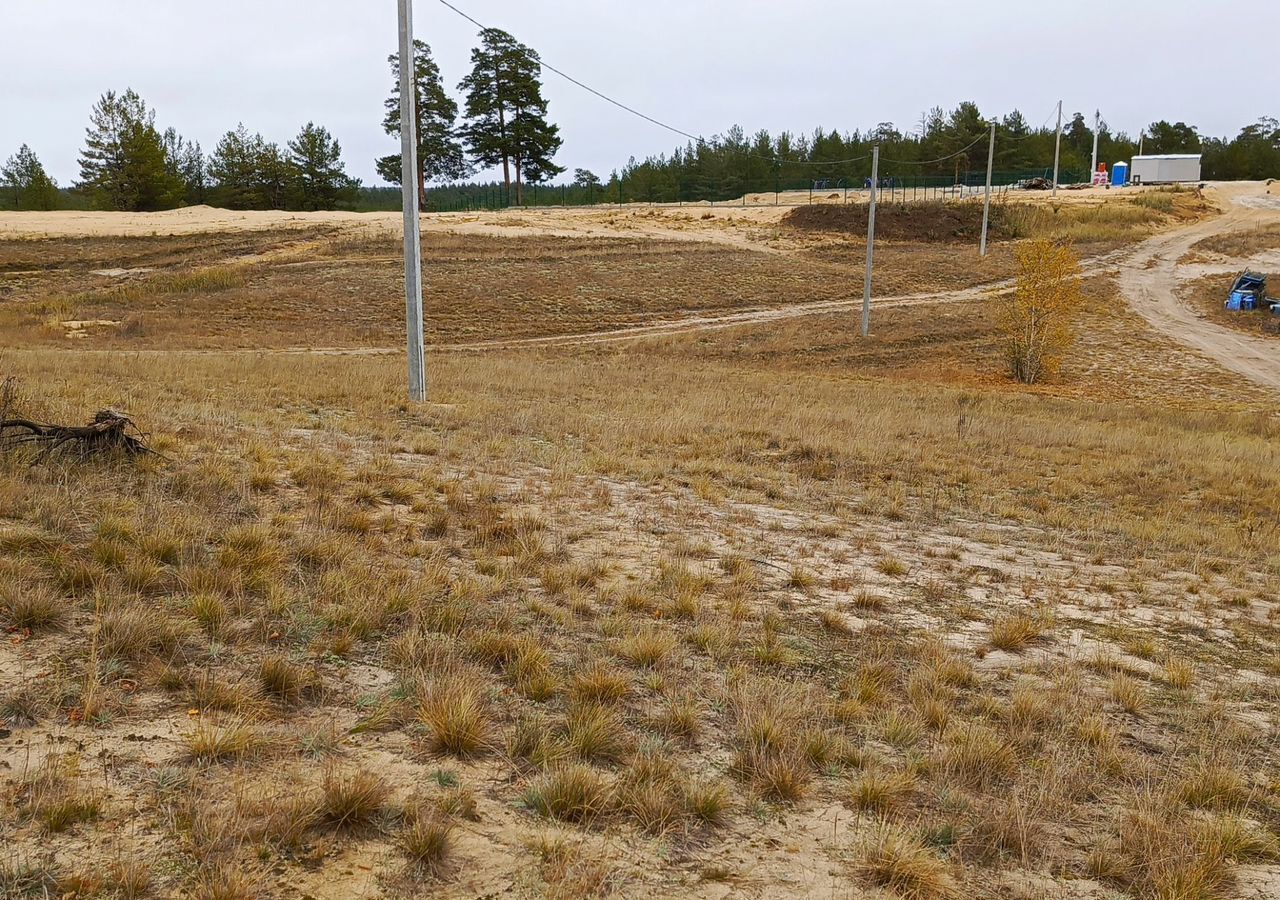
[1149, 282]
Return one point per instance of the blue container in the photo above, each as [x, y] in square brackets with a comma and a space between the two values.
[1119, 174]
[1242, 300]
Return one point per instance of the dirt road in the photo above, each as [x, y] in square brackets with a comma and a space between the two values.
[1149, 273]
[1149, 281]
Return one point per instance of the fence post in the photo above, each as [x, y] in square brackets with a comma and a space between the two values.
[986, 203]
[1057, 150]
[871, 242]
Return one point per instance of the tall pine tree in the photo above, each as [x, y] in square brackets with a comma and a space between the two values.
[248, 172]
[506, 114]
[185, 162]
[315, 161]
[440, 156]
[124, 165]
[25, 182]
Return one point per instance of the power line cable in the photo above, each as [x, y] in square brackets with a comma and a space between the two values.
[703, 141]
[585, 87]
[1036, 132]
[635, 112]
[929, 162]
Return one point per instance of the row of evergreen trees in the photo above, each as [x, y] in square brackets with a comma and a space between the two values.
[946, 148]
[128, 164]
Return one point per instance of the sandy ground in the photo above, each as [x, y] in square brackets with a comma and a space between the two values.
[698, 221]
[1149, 274]
[1149, 281]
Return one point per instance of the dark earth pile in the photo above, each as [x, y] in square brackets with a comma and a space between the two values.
[928, 223]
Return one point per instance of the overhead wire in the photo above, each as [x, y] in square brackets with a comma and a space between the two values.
[927, 162]
[703, 141]
[586, 87]
[1036, 131]
[648, 118]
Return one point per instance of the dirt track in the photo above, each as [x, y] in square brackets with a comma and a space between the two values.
[1149, 278]
[1149, 273]
[1149, 282]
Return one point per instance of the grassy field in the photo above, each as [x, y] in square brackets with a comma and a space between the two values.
[763, 611]
[1242, 243]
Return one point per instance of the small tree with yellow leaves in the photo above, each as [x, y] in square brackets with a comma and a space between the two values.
[1037, 319]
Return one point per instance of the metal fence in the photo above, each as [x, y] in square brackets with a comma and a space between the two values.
[739, 191]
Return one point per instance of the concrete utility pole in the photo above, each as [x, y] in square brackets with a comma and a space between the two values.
[412, 233]
[871, 241]
[1097, 123]
[986, 203]
[1057, 150]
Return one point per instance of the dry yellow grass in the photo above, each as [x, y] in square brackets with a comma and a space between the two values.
[1208, 296]
[657, 596]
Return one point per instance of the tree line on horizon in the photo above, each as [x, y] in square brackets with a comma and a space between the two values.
[128, 164]
[947, 147]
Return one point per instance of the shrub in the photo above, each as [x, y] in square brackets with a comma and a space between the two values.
[1035, 319]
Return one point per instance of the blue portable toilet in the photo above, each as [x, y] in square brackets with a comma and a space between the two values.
[1120, 174]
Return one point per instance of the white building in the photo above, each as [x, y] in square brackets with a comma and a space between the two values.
[1165, 168]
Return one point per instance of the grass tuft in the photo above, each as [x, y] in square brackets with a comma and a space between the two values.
[892, 858]
[35, 607]
[352, 799]
[212, 740]
[455, 711]
[880, 790]
[427, 840]
[571, 793]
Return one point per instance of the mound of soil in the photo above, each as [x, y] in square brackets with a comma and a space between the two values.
[927, 223]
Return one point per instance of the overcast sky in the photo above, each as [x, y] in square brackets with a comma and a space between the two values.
[701, 65]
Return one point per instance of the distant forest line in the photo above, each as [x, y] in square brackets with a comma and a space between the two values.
[246, 172]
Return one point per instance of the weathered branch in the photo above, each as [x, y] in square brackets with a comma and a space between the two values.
[109, 432]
